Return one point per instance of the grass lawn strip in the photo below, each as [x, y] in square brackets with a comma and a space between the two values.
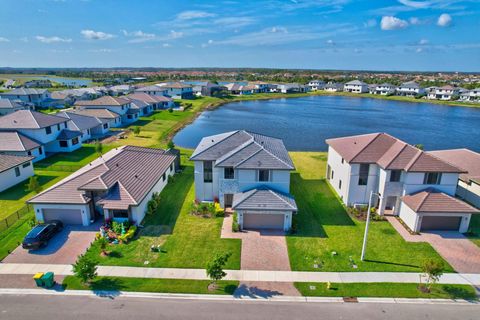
[386, 290]
[150, 285]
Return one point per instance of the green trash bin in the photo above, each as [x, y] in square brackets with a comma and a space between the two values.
[48, 279]
[38, 279]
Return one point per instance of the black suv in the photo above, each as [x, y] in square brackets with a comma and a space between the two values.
[38, 237]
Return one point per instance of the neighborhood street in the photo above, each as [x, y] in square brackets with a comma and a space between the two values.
[21, 307]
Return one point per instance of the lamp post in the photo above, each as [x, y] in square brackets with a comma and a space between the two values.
[364, 246]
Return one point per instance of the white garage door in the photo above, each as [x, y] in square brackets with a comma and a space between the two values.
[263, 221]
[67, 216]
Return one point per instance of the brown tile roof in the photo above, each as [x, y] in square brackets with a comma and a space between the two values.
[145, 97]
[8, 161]
[14, 141]
[434, 201]
[175, 85]
[98, 113]
[462, 158]
[104, 101]
[389, 153]
[28, 119]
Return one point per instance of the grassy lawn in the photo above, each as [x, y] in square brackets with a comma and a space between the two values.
[13, 236]
[475, 229]
[77, 158]
[324, 226]
[187, 241]
[387, 290]
[150, 285]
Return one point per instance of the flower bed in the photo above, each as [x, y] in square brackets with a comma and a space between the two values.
[206, 209]
[117, 232]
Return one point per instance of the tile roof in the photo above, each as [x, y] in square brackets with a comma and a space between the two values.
[389, 153]
[98, 113]
[151, 88]
[410, 84]
[66, 134]
[24, 92]
[8, 161]
[434, 201]
[175, 85]
[78, 121]
[136, 169]
[263, 199]
[14, 141]
[28, 119]
[104, 101]
[117, 198]
[356, 83]
[9, 104]
[463, 158]
[244, 150]
[145, 97]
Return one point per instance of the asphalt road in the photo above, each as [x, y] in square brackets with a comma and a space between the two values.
[20, 307]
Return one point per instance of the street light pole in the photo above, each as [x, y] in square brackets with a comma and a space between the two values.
[364, 246]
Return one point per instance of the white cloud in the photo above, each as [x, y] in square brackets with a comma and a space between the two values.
[234, 22]
[330, 42]
[419, 50]
[392, 23]
[194, 14]
[2, 39]
[370, 23]
[416, 4]
[52, 39]
[175, 34]
[102, 50]
[166, 45]
[138, 36]
[444, 20]
[423, 42]
[96, 35]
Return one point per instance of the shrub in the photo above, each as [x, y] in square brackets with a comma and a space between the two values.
[136, 130]
[170, 110]
[170, 144]
[219, 212]
[33, 185]
[235, 225]
[117, 227]
[85, 269]
[204, 209]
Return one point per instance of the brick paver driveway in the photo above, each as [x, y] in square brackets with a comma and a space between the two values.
[461, 253]
[63, 248]
[261, 250]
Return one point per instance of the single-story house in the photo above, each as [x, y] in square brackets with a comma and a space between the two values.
[17, 144]
[156, 101]
[14, 169]
[116, 186]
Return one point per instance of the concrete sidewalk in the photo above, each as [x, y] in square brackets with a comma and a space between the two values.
[244, 275]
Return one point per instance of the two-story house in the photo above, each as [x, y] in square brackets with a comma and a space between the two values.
[153, 90]
[316, 85]
[249, 173]
[35, 96]
[410, 89]
[8, 106]
[356, 86]
[334, 87]
[446, 92]
[396, 173]
[178, 90]
[89, 127]
[118, 105]
[49, 131]
[155, 102]
[384, 89]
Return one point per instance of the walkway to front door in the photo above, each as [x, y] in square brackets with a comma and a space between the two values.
[261, 250]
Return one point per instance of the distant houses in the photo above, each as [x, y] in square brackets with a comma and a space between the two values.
[410, 89]
[8, 106]
[356, 86]
[35, 96]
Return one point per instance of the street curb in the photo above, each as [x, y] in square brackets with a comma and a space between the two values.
[181, 296]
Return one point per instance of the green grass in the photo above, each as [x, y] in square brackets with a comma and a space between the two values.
[151, 285]
[386, 290]
[13, 236]
[77, 158]
[324, 226]
[475, 229]
[187, 241]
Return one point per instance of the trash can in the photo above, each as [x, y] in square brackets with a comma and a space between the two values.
[48, 279]
[38, 279]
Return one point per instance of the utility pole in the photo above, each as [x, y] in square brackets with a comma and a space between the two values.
[364, 246]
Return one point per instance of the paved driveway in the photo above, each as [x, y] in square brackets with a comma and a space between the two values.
[461, 253]
[63, 248]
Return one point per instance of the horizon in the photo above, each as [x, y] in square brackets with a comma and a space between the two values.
[339, 35]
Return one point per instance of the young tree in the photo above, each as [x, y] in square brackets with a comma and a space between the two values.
[419, 146]
[33, 185]
[170, 109]
[99, 147]
[85, 269]
[433, 270]
[170, 144]
[215, 267]
[103, 243]
[136, 130]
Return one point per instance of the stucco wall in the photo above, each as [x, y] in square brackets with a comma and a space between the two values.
[40, 135]
[9, 179]
[341, 171]
[413, 182]
[469, 192]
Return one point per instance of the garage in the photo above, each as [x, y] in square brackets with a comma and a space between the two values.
[67, 216]
[263, 221]
[440, 223]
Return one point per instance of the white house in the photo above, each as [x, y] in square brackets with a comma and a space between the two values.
[249, 173]
[446, 92]
[469, 182]
[15, 143]
[356, 86]
[410, 89]
[8, 106]
[393, 169]
[89, 127]
[119, 105]
[334, 87]
[156, 102]
[35, 96]
[153, 90]
[316, 85]
[109, 119]
[292, 88]
[470, 95]
[385, 89]
[14, 169]
[116, 186]
[177, 90]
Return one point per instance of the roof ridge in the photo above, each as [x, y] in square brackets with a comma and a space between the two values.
[233, 152]
[248, 157]
[427, 193]
[251, 193]
[361, 150]
[266, 150]
[128, 193]
[398, 153]
[20, 140]
[233, 132]
[34, 119]
[279, 197]
[414, 159]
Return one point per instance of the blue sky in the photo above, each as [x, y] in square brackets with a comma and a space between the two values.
[416, 35]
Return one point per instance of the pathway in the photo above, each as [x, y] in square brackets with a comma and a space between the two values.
[461, 253]
[261, 250]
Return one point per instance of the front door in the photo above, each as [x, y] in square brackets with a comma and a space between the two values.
[228, 200]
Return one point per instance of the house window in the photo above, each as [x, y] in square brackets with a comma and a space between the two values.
[333, 172]
[58, 127]
[27, 164]
[48, 130]
[343, 160]
[163, 176]
[432, 178]
[171, 167]
[120, 214]
[105, 126]
[395, 175]
[63, 144]
[75, 141]
[129, 116]
[40, 150]
[329, 171]
[229, 173]
[88, 131]
[264, 175]
[17, 172]
[29, 153]
[363, 175]
[207, 171]
[339, 184]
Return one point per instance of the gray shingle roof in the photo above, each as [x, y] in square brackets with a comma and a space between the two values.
[245, 150]
[262, 199]
[410, 84]
[152, 88]
[14, 141]
[28, 119]
[137, 169]
[78, 121]
[9, 161]
[66, 134]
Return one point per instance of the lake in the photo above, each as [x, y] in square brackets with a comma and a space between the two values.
[305, 123]
[76, 82]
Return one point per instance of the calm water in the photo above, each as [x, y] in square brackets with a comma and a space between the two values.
[77, 82]
[305, 123]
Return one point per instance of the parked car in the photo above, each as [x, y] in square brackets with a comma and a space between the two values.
[38, 237]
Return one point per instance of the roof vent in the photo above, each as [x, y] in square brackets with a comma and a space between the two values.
[136, 176]
[116, 165]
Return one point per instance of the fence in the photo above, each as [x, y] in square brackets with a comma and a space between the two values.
[14, 217]
[56, 167]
